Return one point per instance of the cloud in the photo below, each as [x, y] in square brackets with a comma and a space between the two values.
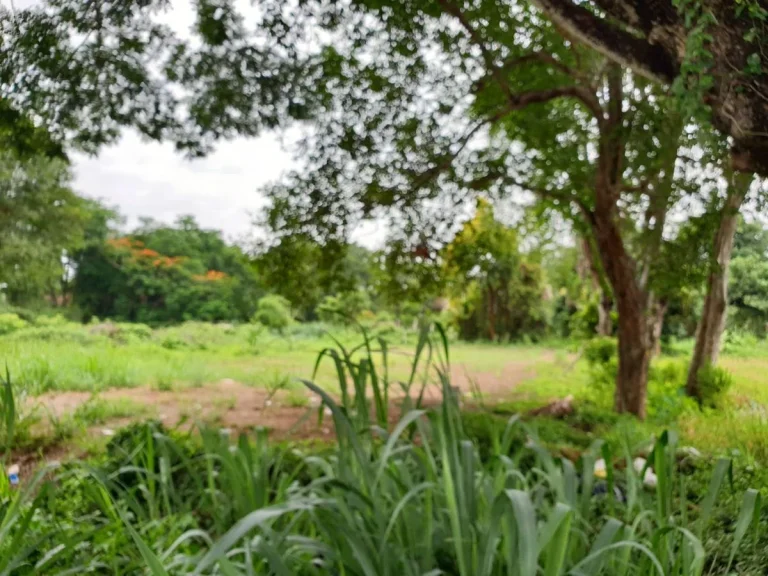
[149, 179]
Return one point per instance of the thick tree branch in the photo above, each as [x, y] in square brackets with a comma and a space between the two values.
[624, 12]
[518, 101]
[650, 60]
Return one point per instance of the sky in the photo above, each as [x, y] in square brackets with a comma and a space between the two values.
[150, 179]
[143, 178]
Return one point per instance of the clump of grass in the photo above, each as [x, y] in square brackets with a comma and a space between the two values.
[97, 410]
[295, 399]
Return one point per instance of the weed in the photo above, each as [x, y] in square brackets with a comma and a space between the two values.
[295, 399]
[97, 410]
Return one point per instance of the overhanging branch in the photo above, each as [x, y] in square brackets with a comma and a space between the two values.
[581, 93]
[650, 60]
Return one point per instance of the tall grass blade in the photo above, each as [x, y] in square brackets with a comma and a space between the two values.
[723, 470]
[748, 516]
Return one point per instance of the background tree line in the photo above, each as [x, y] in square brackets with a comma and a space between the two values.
[74, 255]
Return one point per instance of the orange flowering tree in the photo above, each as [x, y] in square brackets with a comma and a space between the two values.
[167, 274]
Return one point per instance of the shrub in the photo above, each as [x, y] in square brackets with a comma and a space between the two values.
[129, 331]
[123, 331]
[10, 322]
[173, 342]
[714, 383]
[666, 379]
[601, 350]
[70, 333]
[601, 355]
[49, 321]
[739, 342]
[274, 312]
[667, 400]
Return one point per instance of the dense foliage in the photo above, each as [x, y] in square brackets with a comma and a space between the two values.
[162, 274]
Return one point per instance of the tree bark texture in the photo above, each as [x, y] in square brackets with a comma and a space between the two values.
[633, 328]
[604, 320]
[713, 315]
[605, 304]
[619, 266]
[657, 313]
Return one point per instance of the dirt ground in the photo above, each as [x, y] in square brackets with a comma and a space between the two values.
[236, 406]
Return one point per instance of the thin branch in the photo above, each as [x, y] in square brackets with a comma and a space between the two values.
[520, 101]
[546, 58]
[584, 91]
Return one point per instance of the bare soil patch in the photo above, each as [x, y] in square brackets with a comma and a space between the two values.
[230, 404]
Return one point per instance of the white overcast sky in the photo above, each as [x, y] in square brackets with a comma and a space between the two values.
[221, 191]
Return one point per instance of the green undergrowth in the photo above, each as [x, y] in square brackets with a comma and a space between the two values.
[435, 492]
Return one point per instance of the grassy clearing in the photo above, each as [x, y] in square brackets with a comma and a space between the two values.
[520, 377]
[74, 358]
[430, 497]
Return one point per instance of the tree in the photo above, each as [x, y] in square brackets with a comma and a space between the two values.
[85, 69]
[487, 97]
[187, 240]
[712, 52]
[408, 273]
[304, 271]
[748, 284]
[499, 289]
[164, 274]
[40, 217]
[713, 315]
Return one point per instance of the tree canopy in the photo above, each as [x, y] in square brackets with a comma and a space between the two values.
[164, 274]
[711, 51]
[85, 69]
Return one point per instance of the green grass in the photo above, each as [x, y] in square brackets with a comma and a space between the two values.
[433, 495]
[192, 355]
[79, 358]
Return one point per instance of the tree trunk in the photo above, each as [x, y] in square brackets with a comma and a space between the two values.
[491, 315]
[619, 266]
[605, 305]
[604, 320]
[658, 311]
[713, 315]
[633, 327]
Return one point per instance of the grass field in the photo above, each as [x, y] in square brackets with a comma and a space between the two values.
[98, 360]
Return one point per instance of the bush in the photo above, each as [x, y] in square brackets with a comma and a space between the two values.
[130, 331]
[48, 321]
[274, 312]
[601, 350]
[70, 333]
[10, 322]
[601, 355]
[714, 383]
[122, 332]
[739, 342]
[344, 308]
[667, 400]
[666, 381]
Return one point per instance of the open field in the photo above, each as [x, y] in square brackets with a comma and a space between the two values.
[80, 382]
